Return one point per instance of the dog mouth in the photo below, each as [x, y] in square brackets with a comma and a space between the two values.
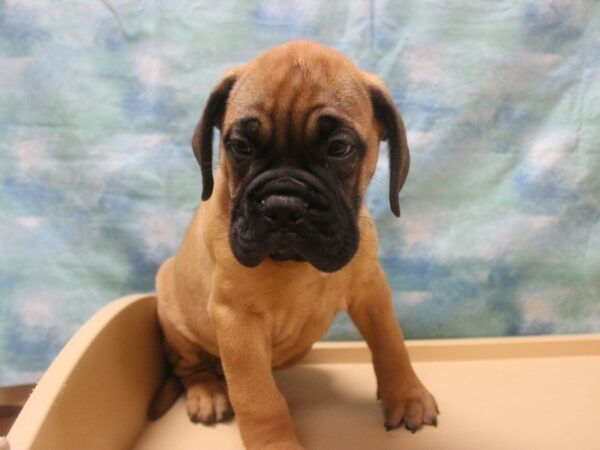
[285, 252]
[289, 217]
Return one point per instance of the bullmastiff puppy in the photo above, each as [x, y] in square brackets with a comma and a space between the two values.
[282, 242]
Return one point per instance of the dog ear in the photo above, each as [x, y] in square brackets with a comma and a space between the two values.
[391, 129]
[212, 117]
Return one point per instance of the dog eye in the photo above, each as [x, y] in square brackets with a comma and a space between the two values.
[339, 148]
[240, 147]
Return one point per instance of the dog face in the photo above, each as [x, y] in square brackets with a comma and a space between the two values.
[300, 129]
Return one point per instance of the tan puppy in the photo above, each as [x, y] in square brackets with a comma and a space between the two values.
[283, 243]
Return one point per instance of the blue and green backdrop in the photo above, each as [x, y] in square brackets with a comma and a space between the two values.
[500, 232]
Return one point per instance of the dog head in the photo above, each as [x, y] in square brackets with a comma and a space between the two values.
[300, 130]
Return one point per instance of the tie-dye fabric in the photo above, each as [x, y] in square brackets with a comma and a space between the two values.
[500, 231]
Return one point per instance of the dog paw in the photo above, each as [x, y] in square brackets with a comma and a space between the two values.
[411, 406]
[208, 403]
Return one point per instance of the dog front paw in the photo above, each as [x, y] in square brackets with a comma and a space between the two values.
[208, 403]
[411, 405]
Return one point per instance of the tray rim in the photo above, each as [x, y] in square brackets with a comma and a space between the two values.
[464, 349]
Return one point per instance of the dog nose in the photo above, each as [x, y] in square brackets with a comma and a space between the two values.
[281, 210]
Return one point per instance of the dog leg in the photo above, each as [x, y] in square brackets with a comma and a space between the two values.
[404, 398]
[190, 366]
[201, 375]
[206, 396]
[261, 411]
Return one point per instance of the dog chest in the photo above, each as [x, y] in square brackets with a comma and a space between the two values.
[301, 317]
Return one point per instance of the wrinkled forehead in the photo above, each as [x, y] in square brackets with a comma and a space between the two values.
[292, 94]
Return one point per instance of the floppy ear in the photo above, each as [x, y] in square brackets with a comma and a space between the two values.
[392, 129]
[212, 117]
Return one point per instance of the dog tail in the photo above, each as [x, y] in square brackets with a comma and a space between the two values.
[165, 397]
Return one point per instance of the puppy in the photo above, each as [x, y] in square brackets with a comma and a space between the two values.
[282, 242]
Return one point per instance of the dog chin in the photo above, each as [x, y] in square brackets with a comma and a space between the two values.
[285, 253]
[281, 252]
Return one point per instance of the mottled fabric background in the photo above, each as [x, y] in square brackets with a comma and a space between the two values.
[500, 232]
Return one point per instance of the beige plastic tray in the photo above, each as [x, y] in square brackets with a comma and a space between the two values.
[508, 393]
